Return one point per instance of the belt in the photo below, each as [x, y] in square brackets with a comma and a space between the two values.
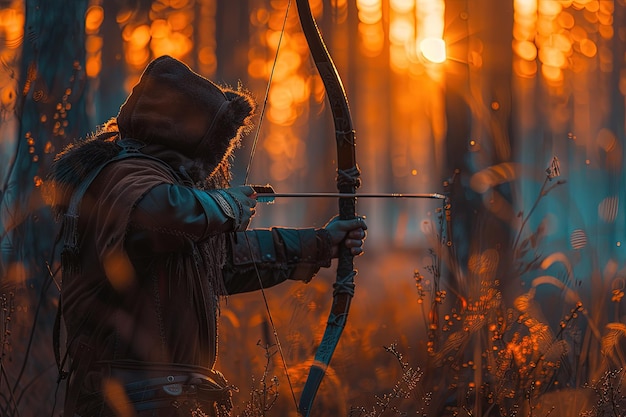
[188, 390]
[193, 385]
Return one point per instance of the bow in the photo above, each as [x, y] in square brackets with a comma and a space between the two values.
[347, 182]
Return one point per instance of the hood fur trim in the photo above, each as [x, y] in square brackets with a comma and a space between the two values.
[72, 165]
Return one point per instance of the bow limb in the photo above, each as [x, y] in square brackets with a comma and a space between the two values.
[347, 182]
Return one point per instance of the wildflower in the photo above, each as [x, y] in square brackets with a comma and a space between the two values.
[554, 170]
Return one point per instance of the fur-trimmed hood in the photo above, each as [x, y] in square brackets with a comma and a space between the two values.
[180, 110]
[182, 118]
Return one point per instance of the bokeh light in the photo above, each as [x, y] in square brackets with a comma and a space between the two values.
[433, 49]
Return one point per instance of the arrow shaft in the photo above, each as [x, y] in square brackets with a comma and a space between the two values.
[436, 196]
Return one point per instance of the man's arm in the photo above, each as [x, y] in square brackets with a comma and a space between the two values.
[170, 217]
[173, 218]
[276, 254]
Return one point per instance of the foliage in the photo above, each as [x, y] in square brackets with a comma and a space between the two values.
[263, 397]
[487, 358]
[405, 388]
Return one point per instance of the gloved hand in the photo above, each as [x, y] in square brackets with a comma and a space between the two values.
[237, 203]
[351, 232]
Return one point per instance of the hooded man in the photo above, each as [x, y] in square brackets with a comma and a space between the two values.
[153, 236]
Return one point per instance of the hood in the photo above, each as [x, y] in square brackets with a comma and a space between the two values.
[183, 118]
[177, 109]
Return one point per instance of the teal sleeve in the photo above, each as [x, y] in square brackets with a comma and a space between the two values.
[277, 254]
[172, 217]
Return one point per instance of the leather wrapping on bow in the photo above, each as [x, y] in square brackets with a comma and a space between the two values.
[347, 182]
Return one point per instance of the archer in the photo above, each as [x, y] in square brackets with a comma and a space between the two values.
[154, 236]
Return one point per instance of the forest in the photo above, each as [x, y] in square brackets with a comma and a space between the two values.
[505, 297]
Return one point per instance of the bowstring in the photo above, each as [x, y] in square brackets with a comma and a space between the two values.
[279, 346]
[267, 93]
[252, 153]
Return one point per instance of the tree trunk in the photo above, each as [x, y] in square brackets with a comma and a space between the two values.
[51, 113]
[110, 92]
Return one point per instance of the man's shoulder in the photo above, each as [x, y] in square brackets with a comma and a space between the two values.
[130, 178]
[139, 166]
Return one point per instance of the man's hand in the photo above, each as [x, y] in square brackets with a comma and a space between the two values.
[237, 204]
[351, 232]
[246, 200]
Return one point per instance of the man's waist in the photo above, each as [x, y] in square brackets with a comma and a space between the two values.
[132, 371]
[153, 385]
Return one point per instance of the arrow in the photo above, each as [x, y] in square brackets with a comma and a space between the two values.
[262, 197]
[266, 194]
